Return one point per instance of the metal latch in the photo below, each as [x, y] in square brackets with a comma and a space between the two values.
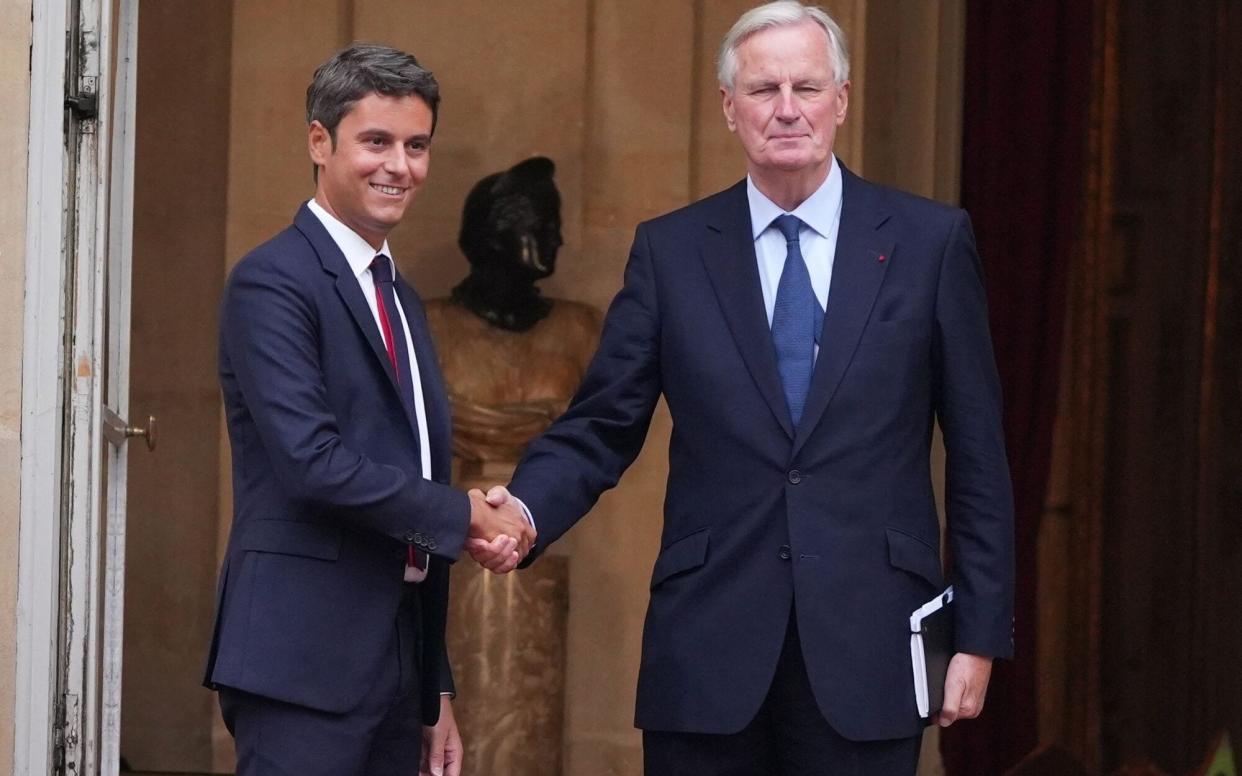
[85, 106]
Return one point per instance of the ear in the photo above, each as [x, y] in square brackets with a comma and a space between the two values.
[318, 143]
[726, 103]
[843, 102]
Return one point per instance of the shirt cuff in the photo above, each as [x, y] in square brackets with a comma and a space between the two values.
[529, 517]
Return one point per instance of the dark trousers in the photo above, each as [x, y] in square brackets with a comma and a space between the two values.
[788, 737]
[382, 737]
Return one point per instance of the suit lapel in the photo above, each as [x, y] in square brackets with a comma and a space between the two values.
[347, 286]
[435, 397]
[857, 273]
[728, 253]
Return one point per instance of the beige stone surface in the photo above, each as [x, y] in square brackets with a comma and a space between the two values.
[14, 106]
[182, 148]
[912, 95]
[276, 46]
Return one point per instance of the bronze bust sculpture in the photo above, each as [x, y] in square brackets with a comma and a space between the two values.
[512, 358]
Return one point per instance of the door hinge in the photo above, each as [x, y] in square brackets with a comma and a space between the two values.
[65, 736]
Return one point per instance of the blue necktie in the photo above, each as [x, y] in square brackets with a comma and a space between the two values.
[796, 321]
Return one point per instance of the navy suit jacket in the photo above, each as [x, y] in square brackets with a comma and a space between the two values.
[835, 517]
[327, 484]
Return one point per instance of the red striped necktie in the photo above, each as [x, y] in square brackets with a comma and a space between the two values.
[399, 355]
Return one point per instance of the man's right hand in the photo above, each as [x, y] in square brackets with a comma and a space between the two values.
[501, 534]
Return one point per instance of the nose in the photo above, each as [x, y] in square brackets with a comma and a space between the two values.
[787, 105]
[394, 160]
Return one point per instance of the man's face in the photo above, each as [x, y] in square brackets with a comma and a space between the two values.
[785, 106]
[383, 149]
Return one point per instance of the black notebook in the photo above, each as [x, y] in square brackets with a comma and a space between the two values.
[931, 647]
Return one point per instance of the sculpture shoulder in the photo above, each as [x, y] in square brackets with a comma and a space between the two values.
[574, 318]
[571, 330]
[546, 362]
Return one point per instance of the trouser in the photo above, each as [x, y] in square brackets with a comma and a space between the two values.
[381, 737]
[788, 737]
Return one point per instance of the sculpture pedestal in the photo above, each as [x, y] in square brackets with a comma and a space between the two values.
[506, 639]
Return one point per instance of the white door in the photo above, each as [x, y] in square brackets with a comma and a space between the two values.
[72, 556]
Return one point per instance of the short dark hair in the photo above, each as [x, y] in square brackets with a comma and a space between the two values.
[361, 69]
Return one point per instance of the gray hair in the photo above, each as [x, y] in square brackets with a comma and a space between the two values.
[361, 69]
[782, 13]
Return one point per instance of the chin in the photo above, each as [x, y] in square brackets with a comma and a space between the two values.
[389, 217]
[796, 163]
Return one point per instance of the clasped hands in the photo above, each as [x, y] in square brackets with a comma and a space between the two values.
[500, 536]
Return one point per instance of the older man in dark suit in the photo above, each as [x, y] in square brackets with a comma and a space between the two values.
[806, 328]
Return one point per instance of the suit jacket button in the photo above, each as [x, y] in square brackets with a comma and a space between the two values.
[431, 545]
[409, 536]
[785, 552]
[795, 476]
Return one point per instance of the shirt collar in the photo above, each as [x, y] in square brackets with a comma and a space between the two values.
[819, 211]
[358, 252]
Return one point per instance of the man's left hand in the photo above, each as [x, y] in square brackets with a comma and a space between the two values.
[965, 686]
[442, 744]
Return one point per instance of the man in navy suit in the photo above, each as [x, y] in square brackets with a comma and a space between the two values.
[328, 649]
[806, 329]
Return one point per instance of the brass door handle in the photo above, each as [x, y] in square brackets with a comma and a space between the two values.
[150, 433]
[119, 432]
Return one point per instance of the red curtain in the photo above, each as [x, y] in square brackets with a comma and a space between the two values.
[1026, 93]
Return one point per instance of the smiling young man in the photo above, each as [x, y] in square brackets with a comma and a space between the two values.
[806, 329]
[328, 649]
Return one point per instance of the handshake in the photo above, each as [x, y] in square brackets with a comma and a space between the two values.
[500, 534]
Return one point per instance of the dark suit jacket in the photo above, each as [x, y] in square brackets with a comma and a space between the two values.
[837, 517]
[327, 484]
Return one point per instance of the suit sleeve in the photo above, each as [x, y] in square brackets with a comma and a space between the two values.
[587, 449]
[979, 497]
[447, 685]
[271, 343]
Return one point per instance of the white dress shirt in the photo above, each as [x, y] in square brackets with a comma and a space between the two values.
[821, 220]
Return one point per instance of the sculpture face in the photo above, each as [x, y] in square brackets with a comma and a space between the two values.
[526, 227]
[511, 223]
[510, 233]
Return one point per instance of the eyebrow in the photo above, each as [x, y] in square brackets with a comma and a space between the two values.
[376, 132]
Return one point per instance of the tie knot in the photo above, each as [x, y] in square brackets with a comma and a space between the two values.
[789, 226]
[381, 269]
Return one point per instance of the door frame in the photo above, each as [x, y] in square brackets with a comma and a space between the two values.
[75, 347]
[38, 583]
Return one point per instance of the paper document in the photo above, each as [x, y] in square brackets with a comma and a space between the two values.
[931, 647]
